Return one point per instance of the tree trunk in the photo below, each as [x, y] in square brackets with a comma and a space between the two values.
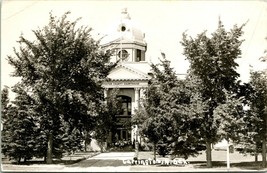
[85, 146]
[49, 148]
[136, 149]
[264, 152]
[208, 154]
[85, 141]
[264, 142]
[154, 150]
[101, 146]
[256, 153]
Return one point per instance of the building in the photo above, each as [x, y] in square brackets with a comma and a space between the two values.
[130, 76]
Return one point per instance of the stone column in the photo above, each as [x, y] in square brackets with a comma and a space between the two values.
[105, 94]
[109, 138]
[142, 96]
[137, 97]
[137, 102]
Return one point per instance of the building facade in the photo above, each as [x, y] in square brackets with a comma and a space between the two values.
[130, 76]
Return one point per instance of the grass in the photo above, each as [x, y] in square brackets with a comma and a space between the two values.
[66, 160]
[222, 164]
[237, 160]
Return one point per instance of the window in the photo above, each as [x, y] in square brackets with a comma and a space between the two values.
[123, 54]
[124, 134]
[123, 28]
[126, 106]
[138, 55]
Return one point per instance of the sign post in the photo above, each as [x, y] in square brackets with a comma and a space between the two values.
[228, 156]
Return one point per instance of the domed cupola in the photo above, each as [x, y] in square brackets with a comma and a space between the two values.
[126, 41]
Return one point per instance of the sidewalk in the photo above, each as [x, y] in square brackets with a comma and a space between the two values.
[79, 156]
[114, 156]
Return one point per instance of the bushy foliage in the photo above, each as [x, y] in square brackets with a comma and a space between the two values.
[19, 128]
[256, 121]
[212, 62]
[168, 118]
[63, 68]
[107, 120]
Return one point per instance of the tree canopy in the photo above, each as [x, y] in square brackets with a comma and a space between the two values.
[256, 121]
[212, 61]
[63, 69]
[167, 118]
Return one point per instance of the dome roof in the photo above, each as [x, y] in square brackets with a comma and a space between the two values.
[124, 30]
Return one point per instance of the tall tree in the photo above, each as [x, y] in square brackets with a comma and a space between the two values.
[212, 60]
[257, 118]
[64, 66]
[19, 130]
[167, 118]
[6, 108]
[158, 124]
[4, 103]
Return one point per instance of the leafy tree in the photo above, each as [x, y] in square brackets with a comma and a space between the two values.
[72, 138]
[106, 121]
[189, 119]
[246, 142]
[19, 130]
[46, 123]
[64, 67]
[256, 119]
[6, 108]
[212, 60]
[156, 124]
[4, 102]
[232, 114]
[167, 118]
[249, 139]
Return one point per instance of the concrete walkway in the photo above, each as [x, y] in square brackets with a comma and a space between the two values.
[114, 156]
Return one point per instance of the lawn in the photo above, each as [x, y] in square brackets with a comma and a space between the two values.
[237, 160]
[66, 159]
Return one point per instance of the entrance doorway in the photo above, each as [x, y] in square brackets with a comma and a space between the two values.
[122, 133]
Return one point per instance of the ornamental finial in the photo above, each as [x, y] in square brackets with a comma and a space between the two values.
[125, 14]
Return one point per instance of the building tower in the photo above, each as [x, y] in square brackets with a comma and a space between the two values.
[130, 76]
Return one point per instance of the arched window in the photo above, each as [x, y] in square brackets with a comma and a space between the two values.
[126, 105]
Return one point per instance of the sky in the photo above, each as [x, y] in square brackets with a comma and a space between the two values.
[163, 23]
